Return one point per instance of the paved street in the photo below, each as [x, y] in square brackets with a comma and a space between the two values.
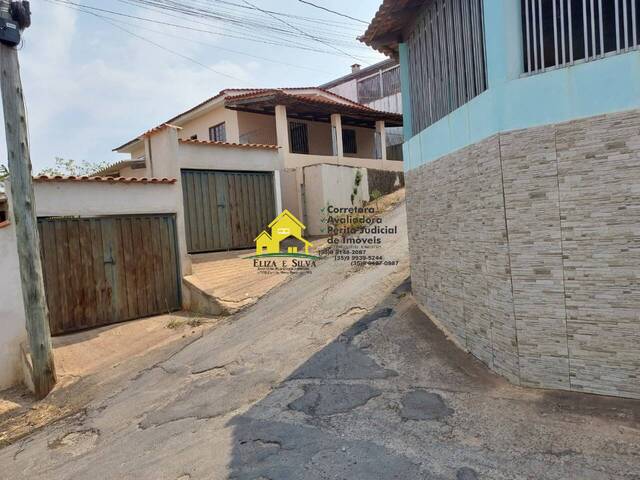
[333, 375]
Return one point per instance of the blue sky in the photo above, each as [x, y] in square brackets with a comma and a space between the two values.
[90, 86]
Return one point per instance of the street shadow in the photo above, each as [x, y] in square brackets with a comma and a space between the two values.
[280, 441]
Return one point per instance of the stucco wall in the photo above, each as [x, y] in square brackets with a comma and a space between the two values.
[89, 199]
[524, 249]
[290, 191]
[201, 124]
[12, 319]
[257, 128]
[365, 142]
[215, 157]
[330, 185]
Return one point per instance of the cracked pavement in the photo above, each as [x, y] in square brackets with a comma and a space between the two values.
[334, 375]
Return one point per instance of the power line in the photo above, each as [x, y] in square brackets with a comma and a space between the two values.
[333, 11]
[303, 32]
[217, 47]
[289, 15]
[289, 44]
[193, 60]
[243, 22]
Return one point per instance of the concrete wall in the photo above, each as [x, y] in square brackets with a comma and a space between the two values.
[12, 318]
[294, 160]
[214, 157]
[524, 248]
[392, 103]
[348, 89]
[90, 199]
[257, 128]
[365, 142]
[330, 185]
[290, 191]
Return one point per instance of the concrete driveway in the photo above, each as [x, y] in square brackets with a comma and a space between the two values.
[334, 375]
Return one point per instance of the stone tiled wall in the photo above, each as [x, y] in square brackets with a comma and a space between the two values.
[525, 248]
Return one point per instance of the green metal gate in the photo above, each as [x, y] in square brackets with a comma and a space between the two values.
[226, 210]
[104, 270]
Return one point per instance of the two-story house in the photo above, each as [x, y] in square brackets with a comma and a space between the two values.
[376, 86]
[240, 157]
[522, 162]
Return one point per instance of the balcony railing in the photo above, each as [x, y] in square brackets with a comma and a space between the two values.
[558, 33]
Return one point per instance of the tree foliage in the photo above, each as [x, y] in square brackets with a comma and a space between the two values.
[68, 166]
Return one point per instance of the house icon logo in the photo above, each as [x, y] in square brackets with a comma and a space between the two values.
[286, 232]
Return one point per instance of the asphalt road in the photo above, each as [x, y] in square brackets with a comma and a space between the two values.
[334, 375]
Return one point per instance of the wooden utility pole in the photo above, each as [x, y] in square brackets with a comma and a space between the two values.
[24, 216]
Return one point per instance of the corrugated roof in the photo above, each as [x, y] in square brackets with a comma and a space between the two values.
[72, 178]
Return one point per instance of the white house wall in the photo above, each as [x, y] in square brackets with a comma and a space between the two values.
[91, 199]
[12, 318]
[209, 157]
[330, 185]
[348, 90]
[257, 128]
[392, 103]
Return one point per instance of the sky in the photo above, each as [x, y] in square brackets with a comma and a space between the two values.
[90, 86]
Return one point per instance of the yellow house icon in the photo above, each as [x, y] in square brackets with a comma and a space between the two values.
[284, 226]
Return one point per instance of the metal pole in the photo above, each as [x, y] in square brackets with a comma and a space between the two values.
[22, 199]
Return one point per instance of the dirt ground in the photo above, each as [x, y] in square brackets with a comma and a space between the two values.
[334, 375]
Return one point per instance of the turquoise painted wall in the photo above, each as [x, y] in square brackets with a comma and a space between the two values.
[512, 101]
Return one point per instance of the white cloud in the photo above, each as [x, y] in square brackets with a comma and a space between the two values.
[89, 90]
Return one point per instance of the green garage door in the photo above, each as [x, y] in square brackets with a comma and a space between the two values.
[226, 210]
[103, 270]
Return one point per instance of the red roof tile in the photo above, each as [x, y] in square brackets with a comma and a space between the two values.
[61, 178]
[230, 144]
[248, 91]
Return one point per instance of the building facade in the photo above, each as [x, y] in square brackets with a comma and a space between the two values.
[376, 86]
[522, 163]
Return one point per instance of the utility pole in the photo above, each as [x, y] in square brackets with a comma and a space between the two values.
[15, 17]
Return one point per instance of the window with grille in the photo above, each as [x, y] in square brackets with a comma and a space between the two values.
[349, 144]
[369, 89]
[218, 133]
[391, 81]
[298, 137]
[447, 66]
[557, 33]
[380, 85]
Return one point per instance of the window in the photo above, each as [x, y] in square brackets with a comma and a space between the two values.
[349, 144]
[218, 133]
[380, 85]
[298, 137]
[446, 59]
[369, 89]
[559, 32]
[390, 81]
